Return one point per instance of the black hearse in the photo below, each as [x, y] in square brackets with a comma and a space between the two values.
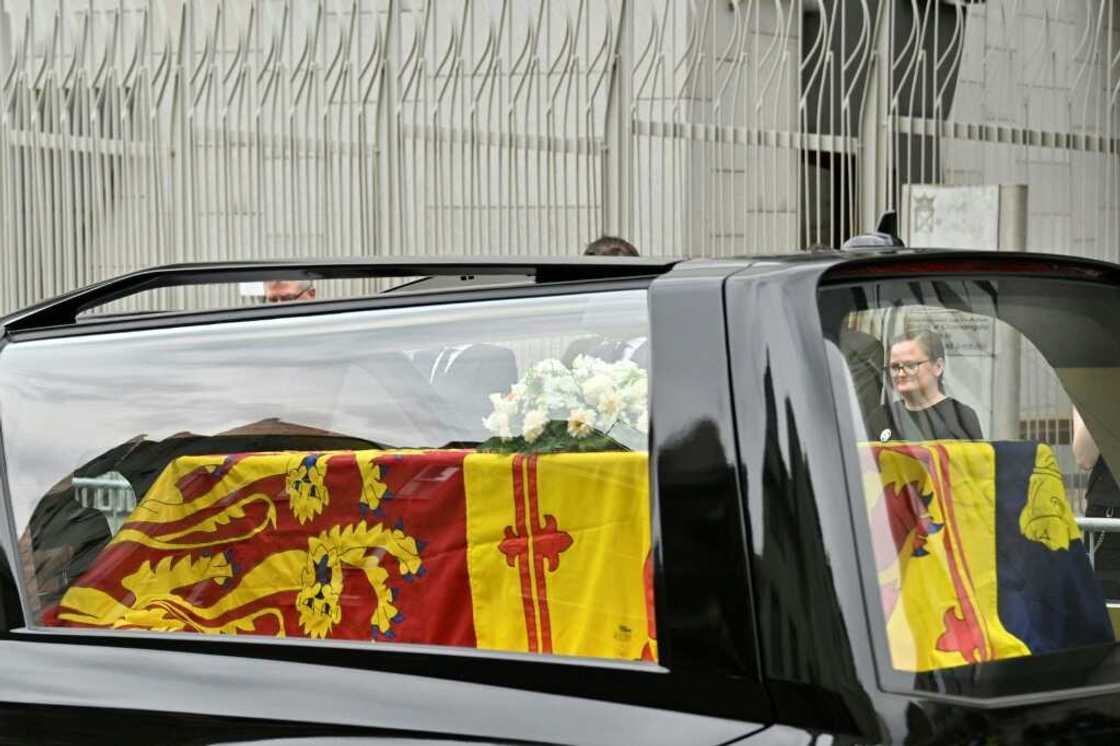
[793, 499]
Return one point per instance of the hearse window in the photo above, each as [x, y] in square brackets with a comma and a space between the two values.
[965, 398]
[472, 474]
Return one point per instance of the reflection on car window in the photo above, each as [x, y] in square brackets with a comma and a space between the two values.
[442, 475]
[962, 396]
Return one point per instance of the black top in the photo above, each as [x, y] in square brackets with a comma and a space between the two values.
[948, 419]
[1102, 489]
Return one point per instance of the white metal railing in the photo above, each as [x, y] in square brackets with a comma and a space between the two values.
[149, 132]
[1094, 530]
[110, 494]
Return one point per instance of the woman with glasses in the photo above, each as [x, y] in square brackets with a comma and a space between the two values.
[923, 411]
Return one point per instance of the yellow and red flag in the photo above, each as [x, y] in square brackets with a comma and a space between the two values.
[558, 553]
[978, 554]
[521, 553]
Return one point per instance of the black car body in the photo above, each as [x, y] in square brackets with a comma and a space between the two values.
[767, 621]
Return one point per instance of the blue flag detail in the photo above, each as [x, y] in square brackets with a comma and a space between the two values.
[1048, 598]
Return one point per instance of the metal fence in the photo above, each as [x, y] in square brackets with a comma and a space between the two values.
[111, 494]
[139, 132]
[136, 133]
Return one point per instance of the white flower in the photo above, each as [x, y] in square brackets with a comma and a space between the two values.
[610, 405]
[550, 367]
[498, 424]
[636, 395]
[533, 425]
[596, 387]
[558, 405]
[504, 405]
[637, 391]
[591, 395]
[580, 422]
[559, 386]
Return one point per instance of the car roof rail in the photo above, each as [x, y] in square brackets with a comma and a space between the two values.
[64, 309]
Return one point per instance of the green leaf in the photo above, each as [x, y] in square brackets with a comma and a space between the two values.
[554, 439]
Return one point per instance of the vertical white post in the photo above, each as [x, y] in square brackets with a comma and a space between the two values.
[1007, 375]
[874, 133]
[616, 205]
[388, 136]
[5, 40]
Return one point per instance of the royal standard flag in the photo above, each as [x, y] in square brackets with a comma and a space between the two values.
[559, 549]
[289, 544]
[437, 547]
[978, 554]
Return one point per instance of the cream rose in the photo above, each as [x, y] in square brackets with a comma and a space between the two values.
[580, 422]
[533, 425]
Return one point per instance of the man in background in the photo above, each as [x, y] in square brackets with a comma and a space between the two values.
[610, 350]
[610, 246]
[288, 291]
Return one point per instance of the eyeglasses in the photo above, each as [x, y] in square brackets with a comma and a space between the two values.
[910, 367]
[286, 297]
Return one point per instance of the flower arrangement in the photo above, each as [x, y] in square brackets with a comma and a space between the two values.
[592, 406]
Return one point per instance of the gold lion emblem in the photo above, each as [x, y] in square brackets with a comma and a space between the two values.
[307, 491]
[319, 600]
[1047, 518]
[360, 547]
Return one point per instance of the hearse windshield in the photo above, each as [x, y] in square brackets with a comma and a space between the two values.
[982, 418]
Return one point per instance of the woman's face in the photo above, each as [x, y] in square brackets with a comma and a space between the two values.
[913, 373]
